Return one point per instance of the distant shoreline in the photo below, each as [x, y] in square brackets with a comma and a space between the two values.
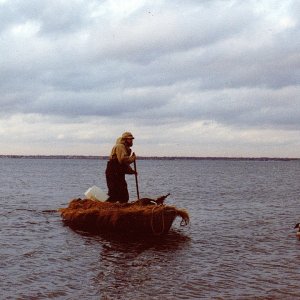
[149, 157]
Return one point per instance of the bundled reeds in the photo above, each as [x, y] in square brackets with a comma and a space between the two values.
[96, 217]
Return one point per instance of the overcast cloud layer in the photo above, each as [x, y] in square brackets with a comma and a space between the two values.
[187, 78]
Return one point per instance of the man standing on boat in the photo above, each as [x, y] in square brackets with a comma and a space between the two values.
[119, 165]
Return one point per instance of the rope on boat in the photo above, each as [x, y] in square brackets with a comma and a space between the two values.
[163, 221]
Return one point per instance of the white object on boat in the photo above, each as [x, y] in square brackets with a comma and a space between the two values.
[95, 193]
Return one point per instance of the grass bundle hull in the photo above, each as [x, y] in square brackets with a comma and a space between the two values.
[131, 218]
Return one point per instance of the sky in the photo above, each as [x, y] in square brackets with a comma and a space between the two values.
[187, 78]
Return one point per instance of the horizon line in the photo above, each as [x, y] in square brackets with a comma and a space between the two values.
[142, 157]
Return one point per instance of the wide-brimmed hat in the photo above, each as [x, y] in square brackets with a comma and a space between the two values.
[127, 135]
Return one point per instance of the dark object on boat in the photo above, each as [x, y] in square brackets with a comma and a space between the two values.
[136, 218]
[148, 201]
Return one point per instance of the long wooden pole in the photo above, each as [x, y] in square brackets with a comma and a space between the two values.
[136, 181]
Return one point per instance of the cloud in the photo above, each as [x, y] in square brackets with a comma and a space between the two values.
[161, 68]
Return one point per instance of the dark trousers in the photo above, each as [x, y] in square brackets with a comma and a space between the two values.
[116, 183]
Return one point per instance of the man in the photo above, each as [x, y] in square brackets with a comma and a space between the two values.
[119, 165]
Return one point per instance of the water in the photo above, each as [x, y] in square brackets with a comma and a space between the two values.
[240, 244]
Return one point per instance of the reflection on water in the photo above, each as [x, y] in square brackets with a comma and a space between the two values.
[134, 264]
[171, 242]
[129, 243]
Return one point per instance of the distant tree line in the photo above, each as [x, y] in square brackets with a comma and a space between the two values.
[149, 157]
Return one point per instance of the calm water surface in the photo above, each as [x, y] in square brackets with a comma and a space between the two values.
[240, 244]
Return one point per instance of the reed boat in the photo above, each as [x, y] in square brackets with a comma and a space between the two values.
[142, 217]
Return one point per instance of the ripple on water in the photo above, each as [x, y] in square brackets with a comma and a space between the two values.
[240, 243]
